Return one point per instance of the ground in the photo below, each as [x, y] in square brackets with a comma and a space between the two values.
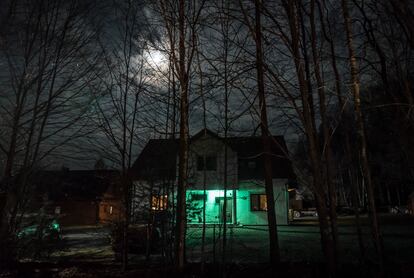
[300, 242]
[247, 245]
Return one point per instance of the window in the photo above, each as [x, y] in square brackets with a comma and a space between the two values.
[159, 202]
[200, 163]
[197, 196]
[57, 210]
[209, 163]
[251, 164]
[258, 202]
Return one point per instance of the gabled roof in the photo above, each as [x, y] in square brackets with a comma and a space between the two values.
[203, 132]
[252, 146]
[250, 149]
[159, 157]
[74, 184]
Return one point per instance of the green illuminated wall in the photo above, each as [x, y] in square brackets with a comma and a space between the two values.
[194, 207]
[244, 214]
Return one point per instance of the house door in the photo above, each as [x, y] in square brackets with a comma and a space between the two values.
[229, 209]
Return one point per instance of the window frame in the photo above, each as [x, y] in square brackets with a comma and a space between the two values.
[200, 163]
[197, 197]
[258, 200]
[209, 162]
[212, 166]
[252, 165]
[159, 202]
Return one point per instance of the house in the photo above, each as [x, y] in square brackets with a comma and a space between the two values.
[111, 208]
[79, 197]
[155, 172]
[410, 203]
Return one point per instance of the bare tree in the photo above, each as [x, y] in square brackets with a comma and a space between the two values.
[405, 16]
[291, 30]
[119, 100]
[256, 32]
[47, 48]
[362, 140]
[182, 54]
[271, 216]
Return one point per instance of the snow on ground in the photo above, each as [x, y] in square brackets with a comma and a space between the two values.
[246, 244]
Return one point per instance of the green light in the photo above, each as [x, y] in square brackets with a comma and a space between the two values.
[211, 194]
[55, 226]
[213, 205]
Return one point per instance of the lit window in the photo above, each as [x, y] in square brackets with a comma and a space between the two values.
[208, 163]
[159, 202]
[258, 202]
[110, 209]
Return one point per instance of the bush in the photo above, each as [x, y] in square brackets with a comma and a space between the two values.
[140, 238]
[40, 239]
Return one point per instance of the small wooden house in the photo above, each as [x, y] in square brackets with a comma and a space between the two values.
[80, 197]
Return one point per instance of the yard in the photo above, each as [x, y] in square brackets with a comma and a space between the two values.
[300, 242]
[88, 248]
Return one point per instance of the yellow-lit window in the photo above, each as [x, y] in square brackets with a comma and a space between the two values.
[258, 202]
[159, 202]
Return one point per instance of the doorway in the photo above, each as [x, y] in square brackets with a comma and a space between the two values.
[229, 209]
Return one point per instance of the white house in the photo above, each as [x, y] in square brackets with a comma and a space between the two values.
[155, 172]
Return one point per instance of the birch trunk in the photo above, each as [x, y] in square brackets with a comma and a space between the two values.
[271, 213]
[362, 140]
[183, 148]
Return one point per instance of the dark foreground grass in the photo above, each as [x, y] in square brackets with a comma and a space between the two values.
[194, 270]
[90, 255]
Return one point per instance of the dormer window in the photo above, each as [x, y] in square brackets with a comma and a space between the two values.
[207, 162]
[251, 164]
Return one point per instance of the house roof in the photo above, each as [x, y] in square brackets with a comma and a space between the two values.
[159, 157]
[74, 184]
[250, 149]
[205, 131]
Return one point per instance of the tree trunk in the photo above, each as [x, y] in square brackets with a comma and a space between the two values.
[327, 151]
[271, 213]
[292, 8]
[203, 232]
[347, 140]
[183, 148]
[226, 128]
[362, 140]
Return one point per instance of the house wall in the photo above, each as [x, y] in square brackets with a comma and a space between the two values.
[141, 197]
[78, 213]
[245, 216]
[110, 210]
[195, 208]
[208, 145]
